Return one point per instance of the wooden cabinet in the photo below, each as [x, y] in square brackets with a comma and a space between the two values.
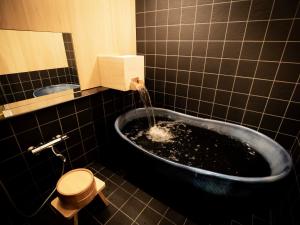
[98, 27]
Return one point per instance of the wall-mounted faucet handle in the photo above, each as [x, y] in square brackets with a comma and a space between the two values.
[55, 140]
[30, 148]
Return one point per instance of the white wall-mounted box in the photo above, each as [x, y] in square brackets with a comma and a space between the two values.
[117, 72]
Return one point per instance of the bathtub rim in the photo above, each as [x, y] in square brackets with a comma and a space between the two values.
[266, 179]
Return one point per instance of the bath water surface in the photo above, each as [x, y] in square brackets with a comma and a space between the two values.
[197, 147]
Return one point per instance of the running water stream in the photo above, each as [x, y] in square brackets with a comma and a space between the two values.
[157, 132]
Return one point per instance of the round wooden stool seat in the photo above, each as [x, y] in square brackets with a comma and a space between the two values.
[76, 188]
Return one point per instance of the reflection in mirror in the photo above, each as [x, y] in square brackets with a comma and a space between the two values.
[22, 85]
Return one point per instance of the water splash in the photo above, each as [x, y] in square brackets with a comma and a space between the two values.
[160, 134]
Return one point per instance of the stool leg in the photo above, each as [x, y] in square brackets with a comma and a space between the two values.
[103, 198]
[76, 219]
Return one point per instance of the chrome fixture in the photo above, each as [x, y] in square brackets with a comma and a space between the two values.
[58, 138]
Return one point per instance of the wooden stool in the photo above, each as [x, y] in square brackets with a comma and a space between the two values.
[76, 189]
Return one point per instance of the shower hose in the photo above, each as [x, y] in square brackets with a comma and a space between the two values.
[30, 215]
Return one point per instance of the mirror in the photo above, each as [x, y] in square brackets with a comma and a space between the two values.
[37, 69]
[35, 64]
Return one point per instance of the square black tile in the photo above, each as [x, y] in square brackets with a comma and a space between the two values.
[85, 116]
[188, 15]
[162, 4]
[256, 103]
[142, 196]
[266, 70]
[194, 92]
[176, 217]
[261, 87]
[212, 65]
[119, 197]
[242, 85]
[180, 102]
[192, 105]
[232, 49]
[197, 64]
[120, 219]
[148, 216]
[207, 94]
[279, 11]
[11, 144]
[228, 66]
[252, 118]
[251, 50]
[273, 51]
[203, 13]
[69, 123]
[140, 19]
[210, 80]
[102, 214]
[256, 30]
[46, 115]
[199, 48]
[218, 30]
[133, 208]
[225, 82]
[235, 31]
[201, 32]
[276, 107]
[239, 11]
[220, 12]
[23, 122]
[278, 30]
[260, 9]
[195, 78]
[219, 111]
[214, 49]
[270, 122]
[291, 53]
[288, 72]
[222, 97]
[205, 108]
[282, 90]
[174, 16]
[238, 100]
[170, 88]
[184, 63]
[235, 115]
[50, 130]
[182, 77]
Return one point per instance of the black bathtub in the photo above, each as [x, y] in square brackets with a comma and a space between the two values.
[216, 183]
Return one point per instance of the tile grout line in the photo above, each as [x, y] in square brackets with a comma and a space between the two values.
[205, 57]
[131, 195]
[283, 51]
[191, 58]
[167, 39]
[257, 63]
[220, 64]
[178, 48]
[239, 59]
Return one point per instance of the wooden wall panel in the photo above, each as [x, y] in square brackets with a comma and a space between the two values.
[98, 27]
[22, 51]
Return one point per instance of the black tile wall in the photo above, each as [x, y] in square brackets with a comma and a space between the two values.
[87, 121]
[214, 59]
[235, 61]
[20, 86]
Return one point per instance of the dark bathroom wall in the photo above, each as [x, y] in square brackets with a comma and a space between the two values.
[236, 61]
[87, 121]
[20, 86]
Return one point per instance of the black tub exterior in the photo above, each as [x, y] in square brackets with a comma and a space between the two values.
[208, 181]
